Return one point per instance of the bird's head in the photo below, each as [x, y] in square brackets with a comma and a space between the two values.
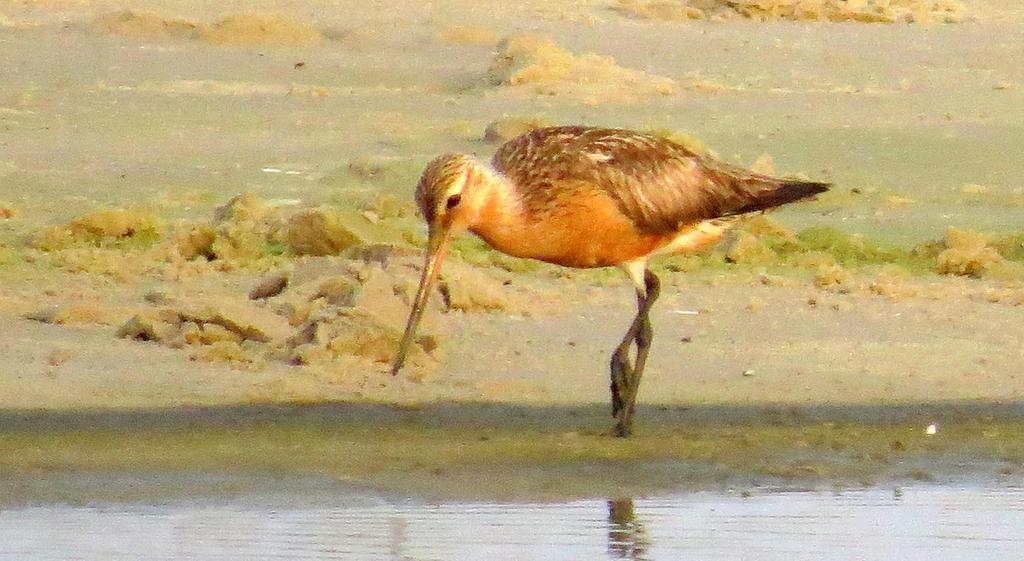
[448, 199]
[446, 193]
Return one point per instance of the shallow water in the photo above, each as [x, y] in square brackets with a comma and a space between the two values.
[926, 522]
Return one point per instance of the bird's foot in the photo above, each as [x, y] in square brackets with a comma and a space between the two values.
[621, 430]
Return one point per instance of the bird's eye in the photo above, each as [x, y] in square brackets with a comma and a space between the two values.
[454, 200]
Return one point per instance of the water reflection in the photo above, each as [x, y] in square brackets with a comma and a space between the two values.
[627, 538]
[916, 524]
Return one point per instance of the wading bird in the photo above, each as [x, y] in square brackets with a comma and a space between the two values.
[591, 197]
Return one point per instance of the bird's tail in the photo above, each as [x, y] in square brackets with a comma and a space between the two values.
[770, 192]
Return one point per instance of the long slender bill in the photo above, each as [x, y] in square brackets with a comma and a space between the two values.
[435, 253]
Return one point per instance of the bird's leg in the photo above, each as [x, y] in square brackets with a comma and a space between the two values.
[626, 377]
[643, 339]
[621, 369]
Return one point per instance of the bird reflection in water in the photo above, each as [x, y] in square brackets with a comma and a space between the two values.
[627, 538]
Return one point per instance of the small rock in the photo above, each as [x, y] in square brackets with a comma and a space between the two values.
[157, 297]
[58, 357]
[748, 373]
[338, 291]
[142, 328]
[270, 286]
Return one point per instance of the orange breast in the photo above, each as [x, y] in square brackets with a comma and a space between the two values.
[582, 231]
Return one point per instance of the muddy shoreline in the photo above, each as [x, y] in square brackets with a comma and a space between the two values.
[465, 451]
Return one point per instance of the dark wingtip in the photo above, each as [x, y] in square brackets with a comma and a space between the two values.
[796, 190]
[788, 191]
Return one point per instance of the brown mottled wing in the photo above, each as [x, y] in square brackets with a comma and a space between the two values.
[657, 183]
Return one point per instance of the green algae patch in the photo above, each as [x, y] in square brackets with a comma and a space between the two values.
[1010, 246]
[850, 250]
[765, 242]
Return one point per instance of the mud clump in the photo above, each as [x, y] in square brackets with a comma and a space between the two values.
[239, 318]
[243, 208]
[967, 253]
[892, 282]
[762, 226]
[77, 313]
[114, 223]
[862, 11]
[260, 28]
[757, 240]
[832, 277]
[151, 327]
[111, 226]
[507, 128]
[141, 25]
[249, 230]
[330, 231]
[244, 229]
[193, 242]
[336, 333]
[751, 250]
[468, 289]
[540, 66]
[663, 10]
[238, 29]
[207, 322]
[344, 307]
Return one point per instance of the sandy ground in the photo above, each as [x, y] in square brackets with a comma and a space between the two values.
[918, 125]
